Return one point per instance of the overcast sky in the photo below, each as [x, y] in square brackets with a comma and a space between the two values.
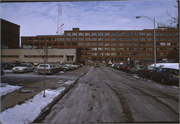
[41, 18]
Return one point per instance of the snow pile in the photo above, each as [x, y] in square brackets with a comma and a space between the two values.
[30, 110]
[7, 70]
[5, 89]
[167, 65]
[68, 82]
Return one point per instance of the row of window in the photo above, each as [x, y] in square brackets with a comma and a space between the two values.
[108, 39]
[121, 34]
[100, 59]
[43, 56]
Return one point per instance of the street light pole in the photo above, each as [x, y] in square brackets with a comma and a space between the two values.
[154, 36]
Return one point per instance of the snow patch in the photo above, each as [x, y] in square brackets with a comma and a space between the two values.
[31, 109]
[7, 70]
[68, 82]
[5, 89]
[62, 72]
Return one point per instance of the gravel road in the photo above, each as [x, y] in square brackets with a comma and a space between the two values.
[108, 95]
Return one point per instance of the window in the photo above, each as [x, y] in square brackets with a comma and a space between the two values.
[100, 54]
[100, 34]
[149, 49]
[135, 48]
[94, 34]
[107, 49]
[149, 54]
[69, 58]
[169, 34]
[163, 49]
[100, 49]
[142, 54]
[176, 39]
[74, 39]
[163, 44]
[135, 39]
[86, 48]
[94, 44]
[157, 34]
[107, 39]
[176, 34]
[68, 39]
[163, 39]
[49, 44]
[135, 54]
[120, 34]
[142, 49]
[127, 48]
[48, 39]
[107, 34]
[87, 39]
[68, 34]
[107, 44]
[100, 44]
[163, 34]
[36, 39]
[149, 34]
[87, 34]
[149, 39]
[120, 54]
[61, 39]
[61, 44]
[157, 44]
[127, 44]
[81, 34]
[107, 54]
[169, 44]
[162, 54]
[169, 39]
[74, 44]
[113, 44]
[135, 44]
[30, 39]
[68, 44]
[157, 39]
[74, 34]
[81, 39]
[142, 44]
[94, 39]
[128, 34]
[23, 39]
[100, 39]
[120, 49]
[87, 44]
[142, 34]
[55, 44]
[142, 39]
[94, 49]
[55, 39]
[113, 39]
[149, 44]
[87, 53]
[81, 44]
[135, 34]
[120, 39]
[128, 54]
[120, 44]
[113, 49]
[113, 54]
[127, 39]
[94, 54]
[113, 34]
[36, 44]
[176, 44]
[169, 49]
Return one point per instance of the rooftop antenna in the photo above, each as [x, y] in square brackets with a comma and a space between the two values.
[60, 24]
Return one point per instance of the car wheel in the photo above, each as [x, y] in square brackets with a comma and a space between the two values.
[25, 71]
[162, 80]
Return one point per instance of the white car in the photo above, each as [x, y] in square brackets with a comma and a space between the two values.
[24, 67]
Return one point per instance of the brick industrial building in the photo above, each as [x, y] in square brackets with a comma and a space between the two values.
[114, 45]
[10, 35]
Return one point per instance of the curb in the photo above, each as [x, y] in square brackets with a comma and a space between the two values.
[45, 111]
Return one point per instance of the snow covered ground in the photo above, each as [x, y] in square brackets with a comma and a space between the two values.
[31, 109]
[5, 88]
[167, 65]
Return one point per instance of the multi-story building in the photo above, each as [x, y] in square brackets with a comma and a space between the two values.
[10, 35]
[114, 45]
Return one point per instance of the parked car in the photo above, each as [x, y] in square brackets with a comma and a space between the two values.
[2, 72]
[146, 71]
[36, 63]
[8, 65]
[122, 67]
[81, 65]
[24, 67]
[2, 65]
[166, 75]
[47, 68]
[127, 68]
[15, 63]
[97, 65]
[135, 68]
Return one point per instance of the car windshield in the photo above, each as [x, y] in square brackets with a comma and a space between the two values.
[173, 71]
[43, 65]
[22, 65]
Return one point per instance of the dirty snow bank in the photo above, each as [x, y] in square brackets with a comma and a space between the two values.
[30, 110]
[167, 65]
[5, 89]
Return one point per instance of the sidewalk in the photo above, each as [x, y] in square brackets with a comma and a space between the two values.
[57, 87]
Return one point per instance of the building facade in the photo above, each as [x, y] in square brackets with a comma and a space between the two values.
[114, 45]
[10, 35]
[35, 55]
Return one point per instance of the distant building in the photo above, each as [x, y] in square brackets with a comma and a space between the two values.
[33, 55]
[10, 35]
[114, 45]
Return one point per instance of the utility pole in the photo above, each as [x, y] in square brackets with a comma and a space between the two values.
[60, 24]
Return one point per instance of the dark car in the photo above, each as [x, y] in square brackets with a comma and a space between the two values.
[127, 68]
[97, 65]
[2, 72]
[8, 65]
[146, 71]
[80, 64]
[166, 75]
[2, 65]
[122, 67]
[15, 63]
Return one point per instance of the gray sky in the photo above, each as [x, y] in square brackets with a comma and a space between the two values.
[41, 18]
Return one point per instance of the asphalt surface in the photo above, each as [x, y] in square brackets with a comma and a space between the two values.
[108, 95]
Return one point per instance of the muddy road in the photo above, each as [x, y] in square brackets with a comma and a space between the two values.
[108, 95]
